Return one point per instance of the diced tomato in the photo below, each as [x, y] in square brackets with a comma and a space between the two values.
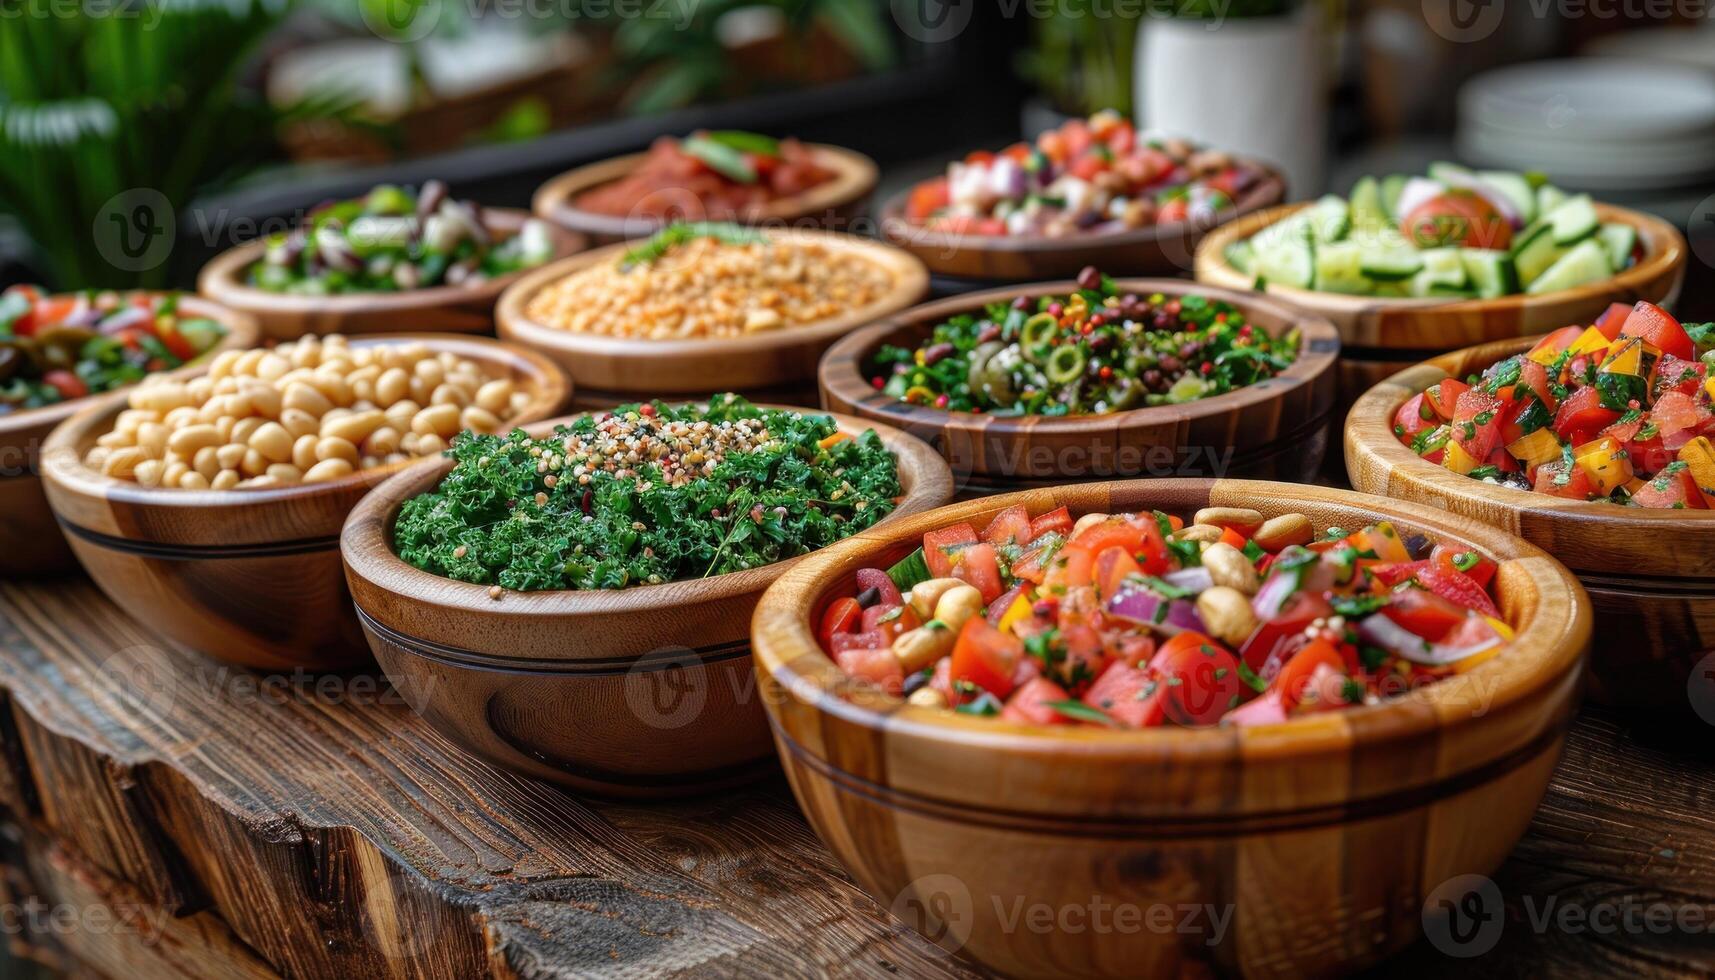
[1071, 567]
[1295, 677]
[1085, 657]
[882, 583]
[1200, 679]
[1076, 133]
[1443, 396]
[1458, 588]
[1582, 411]
[49, 310]
[1660, 330]
[1611, 320]
[1553, 478]
[941, 548]
[978, 565]
[1121, 138]
[1646, 455]
[1058, 520]
[842, 616]
[1448, 558]
[1671, 489]
[1029, 704]
[1141, 538]
[1088, 166]
[1113, 566]
[1424, 613]
[1233, 538]
[1173, 211]
[1273, 641]
[877, 665]
[1673, 374]
[176, 342]
[1029, 566]
[1476, 423]
[1391, 574]
[1265, 710]
[1678, 417]
[1413, 417]
[890, 621]
[1534, 377]
[838, 642]
[1131, 649]
[1129, 697]
[941, 681]
[979, 158]
[986, 657]
[1010, 526]
[66, 383]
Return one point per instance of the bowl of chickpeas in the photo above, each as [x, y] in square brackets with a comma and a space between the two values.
[209, 506]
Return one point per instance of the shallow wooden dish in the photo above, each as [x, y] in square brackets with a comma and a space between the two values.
[440, 309]
[1320, 838]
[29, 542]
[251, 577]
[698, 368]
[645, 692]
[1650, 573]
[831, 205]
[1276, 427]
[1383, 335]
[1159, 250]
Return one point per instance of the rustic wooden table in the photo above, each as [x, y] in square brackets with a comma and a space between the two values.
[166, 816]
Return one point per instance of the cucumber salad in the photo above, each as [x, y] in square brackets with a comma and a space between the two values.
[1455, 234]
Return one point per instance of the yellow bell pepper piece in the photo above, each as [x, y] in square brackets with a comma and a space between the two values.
[1458, 460]
[1019, 609]
[1709, 386]
[1698, 455]
[1632, 356]
[1590, 340]
[1536, 448]
[1606, 462]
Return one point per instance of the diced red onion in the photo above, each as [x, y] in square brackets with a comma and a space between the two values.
[1194, 579]
[1143, 607]
[130, 316]
[1394, 638]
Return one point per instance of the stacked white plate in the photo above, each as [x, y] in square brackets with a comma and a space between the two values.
[1593, 123]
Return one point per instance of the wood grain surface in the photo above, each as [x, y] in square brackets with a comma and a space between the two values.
[832, 205]
[1650, 573]
[439, 309]
[1156, 250]
[339, 836]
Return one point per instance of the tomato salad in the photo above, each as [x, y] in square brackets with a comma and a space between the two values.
[1088, 176]
[1618, 411]
[57, 348]
[1138, 620]
[710, 175]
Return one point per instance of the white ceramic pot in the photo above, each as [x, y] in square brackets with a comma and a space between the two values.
[1252, 86]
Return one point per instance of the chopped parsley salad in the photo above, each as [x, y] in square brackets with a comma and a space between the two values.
[1619, 411]
[1094, 351]
[645, 494]
[57, 348]
[1137, 620]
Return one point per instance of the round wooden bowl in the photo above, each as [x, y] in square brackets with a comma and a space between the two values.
[1158, 250]
[1276, 427]
[1315, 841]
[645, 692]
[439, 309]
[831, 205]
[251, 577]
[1650, 573]
[629, 368]
[29, 544]
[1383, 335]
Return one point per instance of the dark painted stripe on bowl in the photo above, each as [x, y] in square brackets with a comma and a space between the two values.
[200, 552]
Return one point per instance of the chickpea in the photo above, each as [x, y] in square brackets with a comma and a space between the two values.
[230, 455]
[382, 441]
[925, 595]
[479, 420]
[285, 473]
[495, 397]
[927, 697]
[438, 420]
[148, 472]
[1284, 531]
[1241, 519]
[353, 428]
[333, 447]
[328, 469]
[1227, 613]
[224, 480]
[243, 429]
[193, 481]
[300, 423]
[204, 462]
[957, 605]
[918, 648]
[1228, 566]
[273, 441]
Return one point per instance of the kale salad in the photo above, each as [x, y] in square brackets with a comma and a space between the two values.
[645, 494]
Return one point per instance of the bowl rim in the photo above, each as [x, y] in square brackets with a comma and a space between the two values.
[1211, 266]
[1270, 190]
[911, 282]
[365, 541]
[840, 372]
[1544, 653]
[242, 332]
[222, 278]
[855, 176]
[1369, 430]
[62, 454]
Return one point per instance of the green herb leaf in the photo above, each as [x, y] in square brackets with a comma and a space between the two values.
[722, 158]
[1079, 711]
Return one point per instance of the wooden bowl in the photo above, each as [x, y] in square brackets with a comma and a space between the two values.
[645, 692]
[831, 205]
[250, 577]
[1275, 428]
[1383, 335]
[1650, 573]
[625, 369]
[1316, 841]
[1158, 250]
[439, 309]
[29, 543]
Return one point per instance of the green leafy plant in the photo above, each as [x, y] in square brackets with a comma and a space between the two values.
[125, 98]
[1082, 63]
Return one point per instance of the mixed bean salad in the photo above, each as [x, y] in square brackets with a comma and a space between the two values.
[395, 240]
[1619, 411]
[644, 494]
[56, 348]
[1140, 620]
[1091, 352]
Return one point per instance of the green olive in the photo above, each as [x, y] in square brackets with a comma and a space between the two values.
[1034, 336]
[979, 362]
[1065, 365]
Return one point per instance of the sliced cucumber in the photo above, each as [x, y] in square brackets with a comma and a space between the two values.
[1391, 264]
[1368, 214]
[1391, 185]
[1288, 264]
[1586, 262]
[1548, 197]
[1535, 253]
[1443, 272]
[1241, 256]
[1574, 220]
[1339, 269]
[1290, 230]
[1620, 240]
[1330, 219]
[1491, 272]
[1515, 188]
[1450, 174]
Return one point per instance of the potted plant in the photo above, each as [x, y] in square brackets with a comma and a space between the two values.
[1241, 75]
